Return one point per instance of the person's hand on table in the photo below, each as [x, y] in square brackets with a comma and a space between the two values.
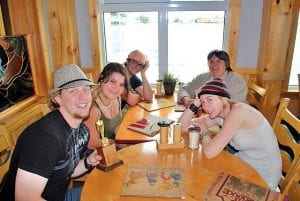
[94, 159]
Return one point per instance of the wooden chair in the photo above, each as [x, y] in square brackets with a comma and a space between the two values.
[287, 138]
[256, 94]
[13, 127]
[5, 155]
[292, 189]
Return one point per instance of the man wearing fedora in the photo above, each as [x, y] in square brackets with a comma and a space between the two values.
[53, 149]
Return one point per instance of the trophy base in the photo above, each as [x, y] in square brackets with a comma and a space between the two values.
[107, 168]
[109, 159]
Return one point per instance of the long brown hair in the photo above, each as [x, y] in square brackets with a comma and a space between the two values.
[111, 68]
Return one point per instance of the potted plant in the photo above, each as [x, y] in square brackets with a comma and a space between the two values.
[169, 83]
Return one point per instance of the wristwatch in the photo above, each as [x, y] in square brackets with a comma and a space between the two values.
[86, 164]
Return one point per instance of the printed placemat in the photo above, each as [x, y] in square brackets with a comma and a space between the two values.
[145, 181]
[226, 187]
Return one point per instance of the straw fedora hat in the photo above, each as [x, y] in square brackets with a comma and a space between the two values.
[69, 76]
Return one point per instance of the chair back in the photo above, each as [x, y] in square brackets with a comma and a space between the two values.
[287, 129]
[5, 155]
[256, 94]
[292, 189]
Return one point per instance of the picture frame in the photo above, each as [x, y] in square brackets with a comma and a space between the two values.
[16, 80]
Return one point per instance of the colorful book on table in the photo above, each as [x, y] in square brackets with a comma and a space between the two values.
[147, 181]
[156, 104]
[225, 187]
[148, 125]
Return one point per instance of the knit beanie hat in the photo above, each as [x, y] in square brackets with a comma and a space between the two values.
[214, 87]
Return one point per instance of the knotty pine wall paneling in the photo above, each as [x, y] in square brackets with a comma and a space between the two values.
[276, 28]
[96, 39]
[234, 16]
[63, 31]
[62, 25]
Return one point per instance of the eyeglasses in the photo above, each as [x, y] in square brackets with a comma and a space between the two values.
[135, 63]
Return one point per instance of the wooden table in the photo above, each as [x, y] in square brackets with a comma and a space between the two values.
[136, 113]
[198, 171]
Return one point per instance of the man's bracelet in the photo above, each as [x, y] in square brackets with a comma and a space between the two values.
[194, 108]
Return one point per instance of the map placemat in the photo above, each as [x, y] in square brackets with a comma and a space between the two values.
[156, 104]
[145, 181]
[225, 187]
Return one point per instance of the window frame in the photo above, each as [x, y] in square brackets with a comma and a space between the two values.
[295, 33]
[162, 7]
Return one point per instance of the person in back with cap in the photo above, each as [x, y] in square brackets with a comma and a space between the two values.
[244, 127]
[53, 149]
[219, 67]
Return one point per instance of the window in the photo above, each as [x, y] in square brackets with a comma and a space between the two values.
[295, 68]
[127, 31]
[192, 34]
[176, 36]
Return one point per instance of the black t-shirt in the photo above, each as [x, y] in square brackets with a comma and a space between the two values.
[135, 82]
[50, 148]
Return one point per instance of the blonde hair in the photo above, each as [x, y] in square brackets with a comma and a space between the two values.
[52, 104]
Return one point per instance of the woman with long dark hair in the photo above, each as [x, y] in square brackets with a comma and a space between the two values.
[113, 86]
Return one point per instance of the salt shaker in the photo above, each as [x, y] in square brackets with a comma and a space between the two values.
[176, 133]
[194, 135]
[164, 131]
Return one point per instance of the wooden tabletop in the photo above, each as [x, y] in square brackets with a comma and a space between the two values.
[135, 113]
[198, 171]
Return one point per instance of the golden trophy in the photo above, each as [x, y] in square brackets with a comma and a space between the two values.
[107, 150]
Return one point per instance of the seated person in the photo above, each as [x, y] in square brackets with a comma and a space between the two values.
[244, 127]
[137, 63]
[53, 149]
[219, 67]
[106, 106]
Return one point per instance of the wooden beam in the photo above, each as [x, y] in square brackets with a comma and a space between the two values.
[2, 29]
[96, 39]
[44, 54]
[233, 33]
[63, 32]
